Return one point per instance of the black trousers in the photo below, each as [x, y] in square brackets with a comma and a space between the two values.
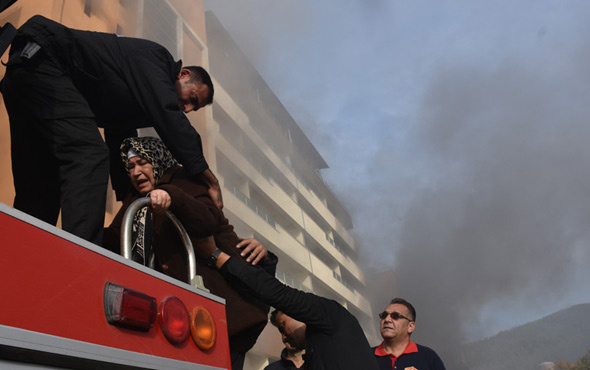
[237, 360]
[59, 159]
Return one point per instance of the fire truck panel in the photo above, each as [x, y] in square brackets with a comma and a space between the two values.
[52, 301]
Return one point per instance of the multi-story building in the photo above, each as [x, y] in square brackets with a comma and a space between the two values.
[268, 168]
[272, 187]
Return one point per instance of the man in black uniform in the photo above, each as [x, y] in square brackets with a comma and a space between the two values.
[60, 84]
[291, 357]
[331, 336]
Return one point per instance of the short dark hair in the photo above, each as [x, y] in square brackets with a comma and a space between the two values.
[273, 317]
[408, 305]
[199, 75]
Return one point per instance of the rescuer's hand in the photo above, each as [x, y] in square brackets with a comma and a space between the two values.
[252, 248]
[214, 189]
[215, 194]
[160, 200]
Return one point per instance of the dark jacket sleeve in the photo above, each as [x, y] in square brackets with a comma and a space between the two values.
[198, 215]
[270, 265]
[148, 76]
[305, 307]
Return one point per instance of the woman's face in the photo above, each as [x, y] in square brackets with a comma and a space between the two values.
[141, 173]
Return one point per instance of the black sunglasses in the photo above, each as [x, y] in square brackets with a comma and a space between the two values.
[394, 315]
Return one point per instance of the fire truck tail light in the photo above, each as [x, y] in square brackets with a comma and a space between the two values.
[129, 308]
[174, 320]
[203, 328]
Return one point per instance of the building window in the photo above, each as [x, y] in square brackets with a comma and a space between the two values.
[343, 281]
[160, 24]
[329, 239]
[251, 204]
[192, 48]
[290, 281]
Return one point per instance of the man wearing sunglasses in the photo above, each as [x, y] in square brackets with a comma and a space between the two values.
[397, 351]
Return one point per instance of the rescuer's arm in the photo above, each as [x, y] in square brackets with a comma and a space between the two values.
[149, 79]
[305, 307]
[209, 179]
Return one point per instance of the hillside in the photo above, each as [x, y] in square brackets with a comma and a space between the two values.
[564, 335]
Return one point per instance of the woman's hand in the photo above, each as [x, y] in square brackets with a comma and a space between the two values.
[160, 200]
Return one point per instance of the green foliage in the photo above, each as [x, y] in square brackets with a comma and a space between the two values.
[582, 364]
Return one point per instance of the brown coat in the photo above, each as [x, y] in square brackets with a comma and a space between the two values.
[191, 204]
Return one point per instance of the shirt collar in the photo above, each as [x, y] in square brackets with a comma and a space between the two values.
[410, 348]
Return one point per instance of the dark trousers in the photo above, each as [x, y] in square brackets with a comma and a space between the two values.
[59, 159]
[237, 360]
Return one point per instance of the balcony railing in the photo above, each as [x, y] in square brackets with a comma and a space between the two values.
[343, 281]
[287, 279]
[251, 204]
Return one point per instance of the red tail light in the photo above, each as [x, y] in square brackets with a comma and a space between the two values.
[174, 320]
[129, 308]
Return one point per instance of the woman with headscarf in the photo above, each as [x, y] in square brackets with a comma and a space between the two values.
[155, 173]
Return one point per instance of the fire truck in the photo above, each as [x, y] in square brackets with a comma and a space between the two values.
[66, 303]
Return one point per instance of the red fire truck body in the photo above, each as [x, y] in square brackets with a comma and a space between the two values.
[52, 307]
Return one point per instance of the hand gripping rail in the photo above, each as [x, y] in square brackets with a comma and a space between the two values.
[127, 234]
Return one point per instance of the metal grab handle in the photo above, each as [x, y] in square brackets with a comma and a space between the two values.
[127, 233]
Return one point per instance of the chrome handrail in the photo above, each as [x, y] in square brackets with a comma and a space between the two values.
[127, 235]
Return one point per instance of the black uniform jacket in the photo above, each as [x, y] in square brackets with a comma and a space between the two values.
[128, 82]
[283, 364]
[334, 338]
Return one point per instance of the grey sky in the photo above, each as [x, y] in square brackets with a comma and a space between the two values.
[456, 134]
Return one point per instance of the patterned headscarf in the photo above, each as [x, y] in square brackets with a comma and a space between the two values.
[152, 149]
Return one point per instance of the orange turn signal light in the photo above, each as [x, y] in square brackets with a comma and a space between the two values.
[203, 329]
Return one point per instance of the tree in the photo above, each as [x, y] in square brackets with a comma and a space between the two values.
[582, 364]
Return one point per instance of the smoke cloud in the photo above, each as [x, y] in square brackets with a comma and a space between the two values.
[499, 218]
